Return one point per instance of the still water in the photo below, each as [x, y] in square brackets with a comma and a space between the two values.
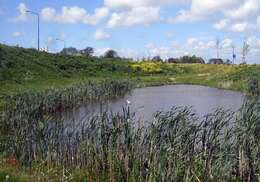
[144, 102]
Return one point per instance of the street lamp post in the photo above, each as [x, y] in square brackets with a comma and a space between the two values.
[38, 18]
[234, 54]
[64, 42]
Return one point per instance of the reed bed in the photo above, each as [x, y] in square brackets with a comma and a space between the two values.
[54, 100]
[175, 146]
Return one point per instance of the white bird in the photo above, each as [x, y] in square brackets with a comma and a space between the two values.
[128, 102]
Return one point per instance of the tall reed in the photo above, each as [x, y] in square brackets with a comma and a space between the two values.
[176, 146]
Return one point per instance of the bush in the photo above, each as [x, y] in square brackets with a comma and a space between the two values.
[253, 87]
[187, 59]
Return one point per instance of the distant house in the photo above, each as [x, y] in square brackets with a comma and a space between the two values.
[216, 61]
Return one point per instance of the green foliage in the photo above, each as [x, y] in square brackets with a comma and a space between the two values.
[23, 70]
[110, 54]
[176, 145]
[157, 59]
[88, 51]
[6, 176]
[186, 59]
[69, 51]
[253, 86]
[248, 133]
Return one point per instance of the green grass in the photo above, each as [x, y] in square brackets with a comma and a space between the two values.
[23, 70]
[112, 148]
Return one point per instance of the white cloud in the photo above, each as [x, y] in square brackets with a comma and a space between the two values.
[100, 13]
[183, 16]
[17, 34]
[48, 14]
[137, 12]
[165, 52]
[174, 50]
[130, 4]
[239, 27]
[74, 14]
[247, 9]
[192, 46]
[199, 45]
[235, 16]
[127, 53]
[101, 51]
[222, 24]
[137, 16]
[192, 41]
[243, 17]
[101, 35]
[211, 44]
[254, 42]
[254, 46]
[201, 10]
[227, 43]
[22, 13]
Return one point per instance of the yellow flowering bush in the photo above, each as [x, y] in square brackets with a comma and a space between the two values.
[147, 67]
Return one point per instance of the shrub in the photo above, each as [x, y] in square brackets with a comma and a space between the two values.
[253, 86]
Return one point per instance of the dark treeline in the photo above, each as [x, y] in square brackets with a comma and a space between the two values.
[188, 59]
[88, 52]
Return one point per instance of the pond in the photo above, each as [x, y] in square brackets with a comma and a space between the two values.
[144, 102]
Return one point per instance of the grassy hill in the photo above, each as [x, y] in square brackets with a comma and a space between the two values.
[24, 70]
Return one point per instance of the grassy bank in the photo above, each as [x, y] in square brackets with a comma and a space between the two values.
[23, 70]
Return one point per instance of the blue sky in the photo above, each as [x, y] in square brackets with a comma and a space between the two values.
[137, 28]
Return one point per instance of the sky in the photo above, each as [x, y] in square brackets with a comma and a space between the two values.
[136, 28]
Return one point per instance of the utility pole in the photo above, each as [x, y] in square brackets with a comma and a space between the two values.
[38, 25]
[245, 51]
[217, 46]
[233, 54]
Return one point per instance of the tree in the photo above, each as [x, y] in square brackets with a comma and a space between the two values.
[173, 60]
[69, 51]
[88, 51]
[110, 54]
[228, 61]
[157, 59]
[191, 59]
